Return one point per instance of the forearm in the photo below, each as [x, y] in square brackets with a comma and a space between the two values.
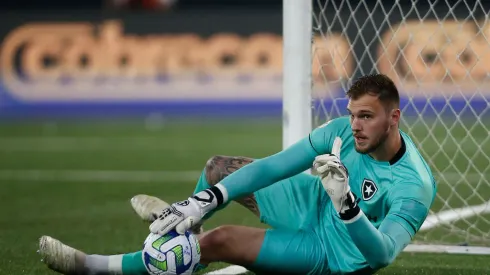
[378, 247]
[264, 172]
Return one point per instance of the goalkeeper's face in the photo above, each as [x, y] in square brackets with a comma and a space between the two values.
[371, 123]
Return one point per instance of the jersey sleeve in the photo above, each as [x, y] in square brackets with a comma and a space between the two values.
[289, 162]
[264, 172]
[321, 139]
[410, 204]
[380, 246]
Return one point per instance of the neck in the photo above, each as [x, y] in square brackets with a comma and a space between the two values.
[389, 148]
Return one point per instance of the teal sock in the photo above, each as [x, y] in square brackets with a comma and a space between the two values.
[132, 264]
[202, 184]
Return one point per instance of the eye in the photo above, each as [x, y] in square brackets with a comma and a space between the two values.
[365, 116]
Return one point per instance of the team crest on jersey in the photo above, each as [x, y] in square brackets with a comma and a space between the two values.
[368, 188]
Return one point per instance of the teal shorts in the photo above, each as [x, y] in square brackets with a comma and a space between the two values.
[293, 208]
[304, 232]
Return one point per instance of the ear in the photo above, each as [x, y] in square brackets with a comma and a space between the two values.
[395, 116]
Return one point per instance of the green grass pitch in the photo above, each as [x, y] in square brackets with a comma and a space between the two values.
[73, 181]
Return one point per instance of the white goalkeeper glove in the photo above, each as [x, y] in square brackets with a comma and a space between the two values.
[183, 215]
[335, 181]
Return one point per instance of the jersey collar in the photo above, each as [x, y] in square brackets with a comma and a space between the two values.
[400, 152]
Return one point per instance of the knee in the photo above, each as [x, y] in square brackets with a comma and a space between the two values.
[213, 175]
[219, 237]
[219, 167]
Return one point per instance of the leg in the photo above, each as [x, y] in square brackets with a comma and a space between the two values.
[291, 206]
[231, 244]
[67, 260]
[276, 250]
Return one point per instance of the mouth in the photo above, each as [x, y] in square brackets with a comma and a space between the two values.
[360, 139]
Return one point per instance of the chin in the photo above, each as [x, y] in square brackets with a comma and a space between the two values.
[364, 149]
[361, 150]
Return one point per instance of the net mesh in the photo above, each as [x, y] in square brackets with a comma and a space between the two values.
[438, 54]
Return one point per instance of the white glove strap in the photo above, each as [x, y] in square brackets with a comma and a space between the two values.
[210, 198]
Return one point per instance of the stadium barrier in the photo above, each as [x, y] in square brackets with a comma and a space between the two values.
[181, 65]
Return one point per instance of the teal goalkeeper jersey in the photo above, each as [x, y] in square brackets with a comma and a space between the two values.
[401, 190]
[395, 197]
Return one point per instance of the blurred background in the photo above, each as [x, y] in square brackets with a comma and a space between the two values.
[102, 100]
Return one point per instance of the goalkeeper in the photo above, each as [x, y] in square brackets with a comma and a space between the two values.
[372, 193]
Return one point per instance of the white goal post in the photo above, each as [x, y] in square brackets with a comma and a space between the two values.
[438, 54]
[297, 51]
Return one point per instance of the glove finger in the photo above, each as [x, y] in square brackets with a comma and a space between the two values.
[155, 227]
[322, 169]
[187, 223]
[337, 169]
[324, 158]
[164, 224]
[317, 164]
[337, 144]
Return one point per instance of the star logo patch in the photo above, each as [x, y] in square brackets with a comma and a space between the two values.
[368, 188]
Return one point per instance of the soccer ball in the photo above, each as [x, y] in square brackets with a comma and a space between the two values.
[171, 253]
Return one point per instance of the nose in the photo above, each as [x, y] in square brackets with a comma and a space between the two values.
[355, 125]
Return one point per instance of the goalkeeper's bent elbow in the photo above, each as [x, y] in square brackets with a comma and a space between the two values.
[381, 262]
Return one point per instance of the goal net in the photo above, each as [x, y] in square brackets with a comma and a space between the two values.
[438, 54]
